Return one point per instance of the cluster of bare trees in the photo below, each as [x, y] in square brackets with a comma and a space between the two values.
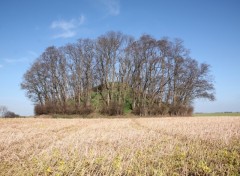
[5, 113]
[115, 71]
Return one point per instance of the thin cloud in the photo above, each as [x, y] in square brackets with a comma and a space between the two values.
[65, 34]
[1, 66]
[32, 53]
[12, 61]
[67, 28]
[37, 28]
[113, 6]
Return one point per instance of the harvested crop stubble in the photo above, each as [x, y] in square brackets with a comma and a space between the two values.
[138, 146]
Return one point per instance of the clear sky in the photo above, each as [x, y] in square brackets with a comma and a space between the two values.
[209, 28]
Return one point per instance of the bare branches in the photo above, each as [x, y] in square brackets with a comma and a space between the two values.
[147, 75]
[5, 113]
[3, 110]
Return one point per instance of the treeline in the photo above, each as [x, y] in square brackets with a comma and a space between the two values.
[116, 73]
[5, 113]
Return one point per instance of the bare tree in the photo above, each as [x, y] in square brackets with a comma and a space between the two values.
[3, 110]
[108, 53]
[87, 53]
[75, 71]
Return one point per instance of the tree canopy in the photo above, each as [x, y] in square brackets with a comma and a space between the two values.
[116, 73]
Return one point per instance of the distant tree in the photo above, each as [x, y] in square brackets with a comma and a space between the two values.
[10, 114]
[3, 110]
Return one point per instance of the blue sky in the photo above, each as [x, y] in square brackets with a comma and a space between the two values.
[210, 29]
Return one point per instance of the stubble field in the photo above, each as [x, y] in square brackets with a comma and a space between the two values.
[136, 146]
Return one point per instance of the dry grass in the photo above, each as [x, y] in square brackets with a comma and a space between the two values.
[137, 146]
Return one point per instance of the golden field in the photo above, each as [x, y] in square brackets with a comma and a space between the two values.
[123, 146]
